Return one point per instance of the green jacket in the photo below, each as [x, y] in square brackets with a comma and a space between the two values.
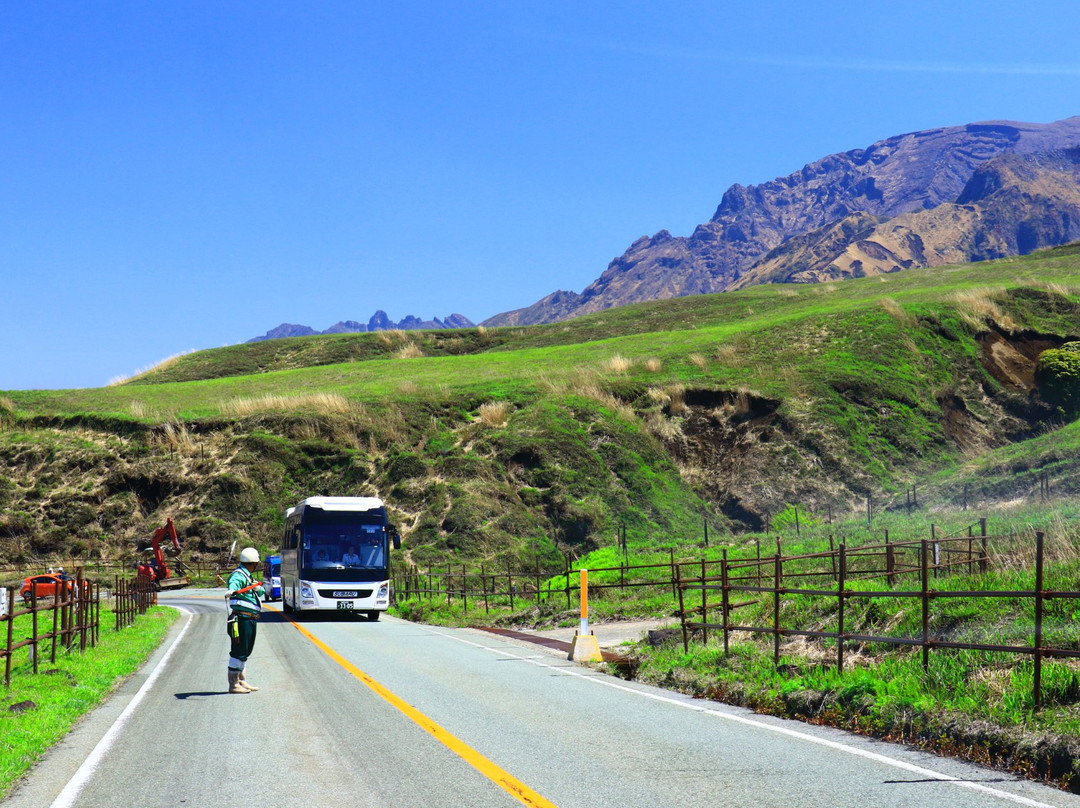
[246, 604]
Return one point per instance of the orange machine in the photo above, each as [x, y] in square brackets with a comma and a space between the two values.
[156, 572]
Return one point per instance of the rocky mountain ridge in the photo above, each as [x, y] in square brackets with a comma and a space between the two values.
[1014, 204]
[841, 198]
[380, 321]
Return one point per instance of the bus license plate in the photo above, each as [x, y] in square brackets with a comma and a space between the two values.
[344, 604]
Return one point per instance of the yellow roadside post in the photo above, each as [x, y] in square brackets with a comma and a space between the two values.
[584, 647]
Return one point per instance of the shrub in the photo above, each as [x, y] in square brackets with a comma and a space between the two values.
[1058, 378]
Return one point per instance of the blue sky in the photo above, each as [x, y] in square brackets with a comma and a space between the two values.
[185, 175]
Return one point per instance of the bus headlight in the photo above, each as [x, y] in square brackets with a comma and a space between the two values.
[305, 591]
[382, 592]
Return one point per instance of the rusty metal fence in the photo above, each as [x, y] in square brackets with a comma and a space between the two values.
[908, 571]
[65, 617]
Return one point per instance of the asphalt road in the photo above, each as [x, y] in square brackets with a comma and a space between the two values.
[354, 713]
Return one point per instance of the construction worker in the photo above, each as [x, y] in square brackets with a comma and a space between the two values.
[244, 608]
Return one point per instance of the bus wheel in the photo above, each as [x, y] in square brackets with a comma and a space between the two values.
[373, 616]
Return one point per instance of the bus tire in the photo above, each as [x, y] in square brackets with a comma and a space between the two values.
[373, 617]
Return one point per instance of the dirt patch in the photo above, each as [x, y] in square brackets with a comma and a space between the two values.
[1011, 357]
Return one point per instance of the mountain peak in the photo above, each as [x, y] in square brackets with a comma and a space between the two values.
[846, 191]
[379, 321]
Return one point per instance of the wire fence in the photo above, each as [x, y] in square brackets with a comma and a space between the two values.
[907, 569]
[792, 592]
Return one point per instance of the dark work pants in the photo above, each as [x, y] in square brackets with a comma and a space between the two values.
[242, 643]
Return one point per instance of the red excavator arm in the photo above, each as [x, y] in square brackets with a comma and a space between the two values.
[162, 533]
[158, 571]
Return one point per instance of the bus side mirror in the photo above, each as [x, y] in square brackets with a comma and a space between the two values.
[395, 537]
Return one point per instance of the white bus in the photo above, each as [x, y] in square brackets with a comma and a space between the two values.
[335, 554]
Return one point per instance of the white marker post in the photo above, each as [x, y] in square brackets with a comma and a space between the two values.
[585, 647]
[584, 603]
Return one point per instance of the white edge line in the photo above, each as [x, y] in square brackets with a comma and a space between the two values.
[781, 730]
[78, 781]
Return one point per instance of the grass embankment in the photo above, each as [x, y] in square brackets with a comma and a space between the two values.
[505, 444]
[63, 692]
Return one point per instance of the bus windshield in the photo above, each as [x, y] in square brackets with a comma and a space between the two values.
[336, 540]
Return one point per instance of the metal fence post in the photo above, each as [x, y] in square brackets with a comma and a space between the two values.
[704, 607]
[10, 595]
[925, 606]
[34, 623]
[777, 574]
[682, 610]
[1038, 617]
[671, 561]
[725, 597]
[840, 613]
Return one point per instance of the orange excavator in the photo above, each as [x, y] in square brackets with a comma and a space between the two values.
[156, 572]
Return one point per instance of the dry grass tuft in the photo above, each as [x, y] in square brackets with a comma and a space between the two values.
[678, 399]
[410, 350]
[592, 390]
[892, 307]
[392, 337]
[618, 364]
[176, 437]
[322, 403]
[664, 428]
[977, 307]
[673, 397]
[494, 413]
[659, 395]
[727, 355]
[1057, 289]
[698, 360]
[653, 365]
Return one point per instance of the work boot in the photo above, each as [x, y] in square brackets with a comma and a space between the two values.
[235, 685]
[246, 683]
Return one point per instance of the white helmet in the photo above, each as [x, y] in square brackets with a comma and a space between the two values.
[249, 555]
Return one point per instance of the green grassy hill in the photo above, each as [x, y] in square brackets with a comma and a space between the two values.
[523, 444]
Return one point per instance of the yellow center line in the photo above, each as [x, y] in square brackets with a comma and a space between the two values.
[497, 775]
